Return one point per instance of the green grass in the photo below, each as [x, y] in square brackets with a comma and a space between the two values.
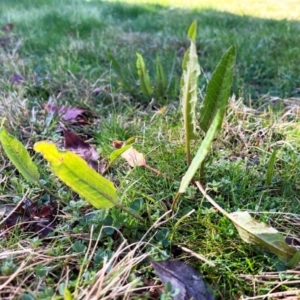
[60, 50]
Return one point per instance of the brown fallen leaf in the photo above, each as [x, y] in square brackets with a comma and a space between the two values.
[4, 41]
[134, 158]
[185, 280]
[118, 144]
[7, 27]
[75, 144]
[30, 218]
[74, 114]
[16, 79]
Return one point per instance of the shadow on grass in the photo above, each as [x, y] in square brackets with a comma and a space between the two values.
[75, 35]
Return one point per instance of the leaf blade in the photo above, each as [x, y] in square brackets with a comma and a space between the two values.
[192, 32]
[258, 233]
[189, 90]
[271, 167]
[161, 80]
[201, 153]
[19, 156]
[218, 89]
[75, 172]
[143, 76]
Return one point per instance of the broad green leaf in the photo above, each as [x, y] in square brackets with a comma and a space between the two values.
[143, 76]
[19, 156]
[271, 168]
[67, 295]
[161, 81]
[218, 89]
[258, 233]
[75, 172]
[201, 153]
[189, 90]
[192, 32]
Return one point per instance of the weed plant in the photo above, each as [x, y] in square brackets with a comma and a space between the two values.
[60, 49]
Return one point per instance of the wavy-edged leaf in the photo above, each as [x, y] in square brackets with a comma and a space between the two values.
[189, 90]
[19, 156]
[143, 76]
[260, 234]
[218, 89]
[75, 172]
[201, 153]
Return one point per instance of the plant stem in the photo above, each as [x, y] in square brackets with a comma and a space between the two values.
[49, 192]
[188, 149]
[212, 201]
[175, 201]
[130, 212]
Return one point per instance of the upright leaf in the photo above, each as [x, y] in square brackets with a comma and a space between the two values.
[189, 86]
[218, 89]
[161, 81]
[19, 156]
[75, 172]
[192, 32]
[201, 153]
[143, 76]
[271, 168]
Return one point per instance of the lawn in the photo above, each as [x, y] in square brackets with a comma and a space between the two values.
[72, 66]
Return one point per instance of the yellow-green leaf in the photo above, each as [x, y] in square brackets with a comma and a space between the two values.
[189, 90]
[75, 172]
[117, 153]
[143, 76]
[192, 32]
[19, 156]
[189, 85]
[258, 233]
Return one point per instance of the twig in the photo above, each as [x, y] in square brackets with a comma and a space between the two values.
[277, 295]
[199, 256]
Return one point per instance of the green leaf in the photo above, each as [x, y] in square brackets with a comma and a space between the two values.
[67, 295]
[189, 90]
[19, 156]
[201, 153]
[258, 233]
[271, 168]
[161, 80]
[79, 247]
[143, 76]
[295, 260]
[117, 153]
[218, 89]
[75, 172]
[192, 32]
